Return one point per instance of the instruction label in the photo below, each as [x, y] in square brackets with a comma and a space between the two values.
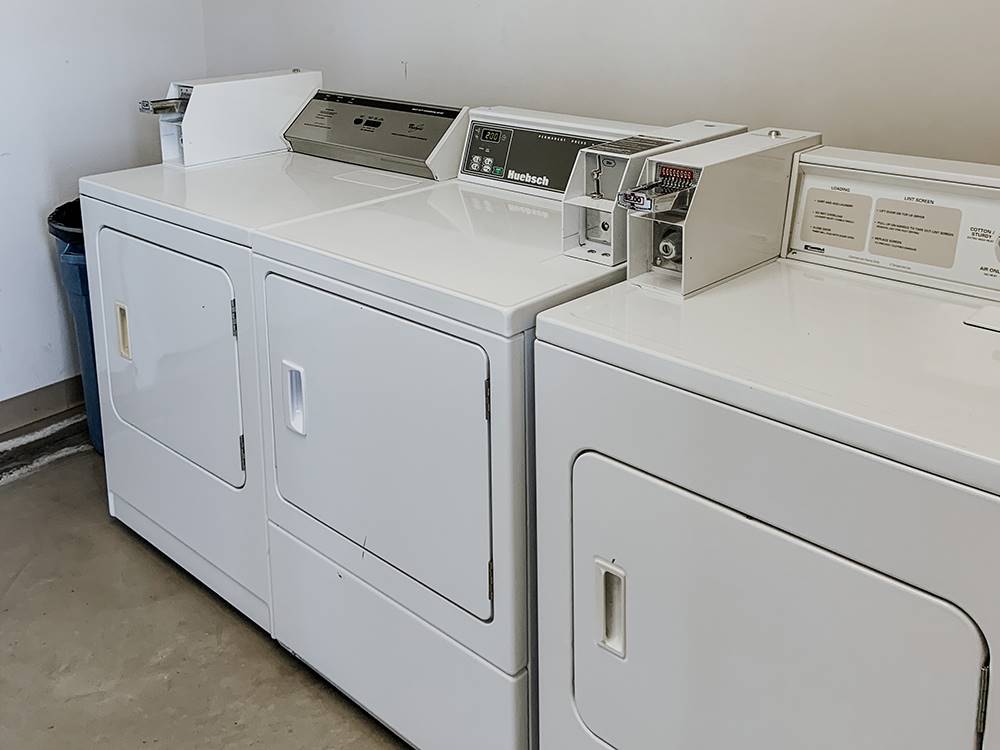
[837, 219]
[916, 232]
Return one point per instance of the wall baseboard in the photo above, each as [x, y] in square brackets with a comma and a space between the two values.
[40, 404]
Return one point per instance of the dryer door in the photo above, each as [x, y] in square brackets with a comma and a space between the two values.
[172, 354]
[697, 627]
[380, 433]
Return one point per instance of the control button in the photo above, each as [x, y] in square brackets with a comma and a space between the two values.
[358, 120]
[476, 159]
[498, 170]
[488, 161]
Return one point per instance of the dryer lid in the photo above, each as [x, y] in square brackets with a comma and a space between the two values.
[889, 368]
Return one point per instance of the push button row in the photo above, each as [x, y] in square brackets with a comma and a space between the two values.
[480, 164]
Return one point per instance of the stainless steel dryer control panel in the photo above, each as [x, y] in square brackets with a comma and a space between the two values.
[383, 133]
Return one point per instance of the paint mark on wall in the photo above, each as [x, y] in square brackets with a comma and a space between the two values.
[22, 471]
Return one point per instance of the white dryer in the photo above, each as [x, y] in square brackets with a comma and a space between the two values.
[170, 277]
[395, 339]
[768, 513]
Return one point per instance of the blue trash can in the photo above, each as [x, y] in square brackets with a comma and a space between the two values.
[66, 225]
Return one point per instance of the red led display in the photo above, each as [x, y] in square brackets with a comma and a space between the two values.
[680, 174]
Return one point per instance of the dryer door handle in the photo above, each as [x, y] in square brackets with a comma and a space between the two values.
[293, 379]
[124, 339]
[611, 607]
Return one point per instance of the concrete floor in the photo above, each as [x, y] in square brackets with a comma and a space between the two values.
[106, 643]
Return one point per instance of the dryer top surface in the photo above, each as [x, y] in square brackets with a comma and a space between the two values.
[906, 372]
[230, 199]
[485, 256]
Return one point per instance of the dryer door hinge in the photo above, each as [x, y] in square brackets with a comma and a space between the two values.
[233, 307]
[243, 453]
[486, 387]
[984, 691]
[489, 574]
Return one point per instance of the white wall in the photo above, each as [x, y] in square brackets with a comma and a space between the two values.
[916, 77]
[71, 73]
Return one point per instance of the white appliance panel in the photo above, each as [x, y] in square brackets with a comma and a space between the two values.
[933, 534]
[434, 695]
[718, 614]
[381, 433]
[923, 221]
[890, 368]
[231, 117]
[229, 199]
[488, 257]
[502, 639]
[172, 356]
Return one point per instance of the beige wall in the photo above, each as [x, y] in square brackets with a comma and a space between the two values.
[70, 75]
[909, 76]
